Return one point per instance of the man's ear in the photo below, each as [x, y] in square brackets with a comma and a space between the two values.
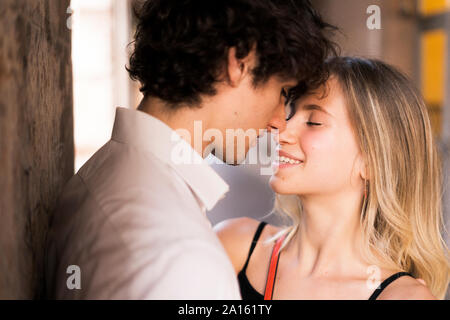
[237, 69]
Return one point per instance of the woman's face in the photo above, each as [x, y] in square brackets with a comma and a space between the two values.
[321, 137]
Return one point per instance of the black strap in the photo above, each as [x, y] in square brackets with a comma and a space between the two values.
[254, 241]
[386, 282]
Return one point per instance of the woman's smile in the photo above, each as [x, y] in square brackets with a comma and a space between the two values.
[285, 160]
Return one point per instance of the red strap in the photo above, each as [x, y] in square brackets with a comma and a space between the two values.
[273, 269]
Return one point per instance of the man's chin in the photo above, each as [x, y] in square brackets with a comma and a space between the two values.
[235, 162]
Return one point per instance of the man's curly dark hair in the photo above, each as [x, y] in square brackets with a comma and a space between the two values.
[181, 46]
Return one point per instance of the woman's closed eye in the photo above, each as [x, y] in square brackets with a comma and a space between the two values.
[309, 123]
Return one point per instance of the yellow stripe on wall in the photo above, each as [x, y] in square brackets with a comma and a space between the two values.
[433, 76]
[434, 6]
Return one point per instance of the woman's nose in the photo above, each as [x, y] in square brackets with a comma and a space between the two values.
[287, 136]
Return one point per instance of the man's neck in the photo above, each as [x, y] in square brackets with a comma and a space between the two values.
[189, 122]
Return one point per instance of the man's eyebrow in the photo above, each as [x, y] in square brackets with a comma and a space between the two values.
[310, 106]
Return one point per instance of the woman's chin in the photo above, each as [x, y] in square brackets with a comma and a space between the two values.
[281, 186]
[278, 185]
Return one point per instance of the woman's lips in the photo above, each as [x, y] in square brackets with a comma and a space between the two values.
[281, 165]
[282, 153]
[277, 164]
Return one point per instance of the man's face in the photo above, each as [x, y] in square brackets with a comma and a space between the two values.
[246, 112]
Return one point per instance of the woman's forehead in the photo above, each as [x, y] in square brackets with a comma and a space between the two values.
[323, 95]
[328, 99]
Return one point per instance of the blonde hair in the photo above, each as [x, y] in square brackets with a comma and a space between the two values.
[401, 217]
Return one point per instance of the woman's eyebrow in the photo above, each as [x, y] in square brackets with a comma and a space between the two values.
[314, 107]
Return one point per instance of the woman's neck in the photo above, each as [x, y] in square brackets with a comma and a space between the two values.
[329, 233]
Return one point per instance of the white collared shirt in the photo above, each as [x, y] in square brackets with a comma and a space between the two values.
[133, 220]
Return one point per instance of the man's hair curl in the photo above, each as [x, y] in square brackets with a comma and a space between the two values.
[181, 46]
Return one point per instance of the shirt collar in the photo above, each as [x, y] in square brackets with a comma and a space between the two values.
[150, 134]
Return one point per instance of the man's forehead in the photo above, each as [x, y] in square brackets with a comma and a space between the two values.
[318, 94]
[291, 82]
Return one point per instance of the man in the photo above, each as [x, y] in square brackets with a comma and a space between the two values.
[132, 222]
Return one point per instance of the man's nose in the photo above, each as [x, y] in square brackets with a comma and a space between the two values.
[278, 121]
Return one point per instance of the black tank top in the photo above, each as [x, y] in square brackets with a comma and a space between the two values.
[250, 293]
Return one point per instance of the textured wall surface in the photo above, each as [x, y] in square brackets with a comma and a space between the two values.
[36, 134]
[356, 39]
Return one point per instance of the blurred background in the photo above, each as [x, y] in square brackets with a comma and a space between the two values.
[50, 47]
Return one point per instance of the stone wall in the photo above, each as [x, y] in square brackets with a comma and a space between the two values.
[36, 135]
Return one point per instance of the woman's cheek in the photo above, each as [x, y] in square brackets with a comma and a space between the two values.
[319, 144]
[323, 154]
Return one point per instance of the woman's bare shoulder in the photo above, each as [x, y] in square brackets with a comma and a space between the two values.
[407, 288]
[236, 236]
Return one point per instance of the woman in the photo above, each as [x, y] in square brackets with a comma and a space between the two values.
[359, 177]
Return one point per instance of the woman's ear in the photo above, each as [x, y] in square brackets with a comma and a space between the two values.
[237, 69]
[364, 171]
[362, 167]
